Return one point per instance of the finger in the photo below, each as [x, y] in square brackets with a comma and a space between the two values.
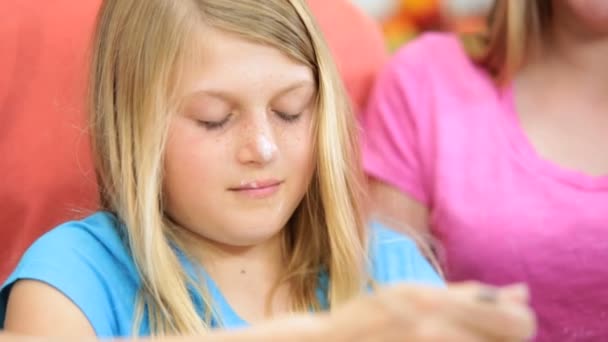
[437, 329]
[408, 324]
[412, 309]
[518, 293]
[478, 308]
[485, 311]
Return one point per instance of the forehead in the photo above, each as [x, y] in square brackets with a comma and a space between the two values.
[226, 61]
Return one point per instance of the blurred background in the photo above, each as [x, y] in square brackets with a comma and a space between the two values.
[402, 20]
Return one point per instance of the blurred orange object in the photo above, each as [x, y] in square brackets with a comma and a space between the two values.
[411, 18]
[356, 42]
[46, 171]
[469, 25]
[425, 13]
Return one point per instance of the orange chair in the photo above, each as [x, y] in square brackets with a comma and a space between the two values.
[45, 166]
[356, 42]
[46, 174]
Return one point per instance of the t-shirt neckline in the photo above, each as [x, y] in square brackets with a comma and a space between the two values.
[527, 155]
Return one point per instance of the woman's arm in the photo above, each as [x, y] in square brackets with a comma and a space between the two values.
[397, 209]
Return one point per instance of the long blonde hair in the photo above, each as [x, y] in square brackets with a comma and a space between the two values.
[515, 28]
[139, 51]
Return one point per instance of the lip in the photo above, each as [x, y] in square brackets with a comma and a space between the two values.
[258, 189]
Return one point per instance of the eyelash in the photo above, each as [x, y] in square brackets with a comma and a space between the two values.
[290, 118]
[214, 125]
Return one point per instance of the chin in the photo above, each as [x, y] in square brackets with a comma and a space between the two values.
[249, 235]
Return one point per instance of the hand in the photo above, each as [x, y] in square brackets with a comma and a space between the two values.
[460, 313]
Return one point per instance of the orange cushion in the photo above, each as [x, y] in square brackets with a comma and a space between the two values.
[356, 42]
[46, 174]
[45, 166]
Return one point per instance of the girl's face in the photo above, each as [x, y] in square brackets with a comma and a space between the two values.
[239, 156]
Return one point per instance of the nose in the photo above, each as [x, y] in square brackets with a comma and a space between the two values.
[258, 143]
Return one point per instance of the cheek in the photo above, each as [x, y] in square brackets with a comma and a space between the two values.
[297, 148]
[191, 162]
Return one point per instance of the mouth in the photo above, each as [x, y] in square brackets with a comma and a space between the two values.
[257, 189]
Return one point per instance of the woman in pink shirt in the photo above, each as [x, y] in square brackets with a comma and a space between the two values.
[504, 161]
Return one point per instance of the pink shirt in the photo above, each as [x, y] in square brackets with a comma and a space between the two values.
[440, 130]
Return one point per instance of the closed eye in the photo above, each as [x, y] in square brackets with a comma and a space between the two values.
[288, 117]
[213, 125]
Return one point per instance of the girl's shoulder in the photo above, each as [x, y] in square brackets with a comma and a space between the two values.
[88, 262]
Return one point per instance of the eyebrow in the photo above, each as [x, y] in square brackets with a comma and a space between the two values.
[228, 96]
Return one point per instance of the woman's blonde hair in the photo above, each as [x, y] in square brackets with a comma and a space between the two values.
[140, 50]
[515, 27]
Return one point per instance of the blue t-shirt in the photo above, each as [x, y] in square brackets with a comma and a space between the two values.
[90, 264]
